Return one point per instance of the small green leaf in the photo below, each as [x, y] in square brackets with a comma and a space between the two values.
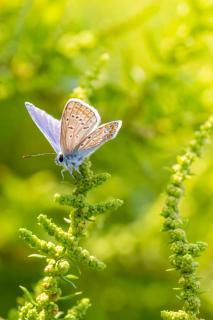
[68, 281]
[36, 255]
[27, 294]
[59, 314]
[67, 220]
[169, 270]
[72, 276]
[70, 296]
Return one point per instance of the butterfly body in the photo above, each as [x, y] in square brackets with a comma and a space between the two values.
[70, 161]
[77, 135]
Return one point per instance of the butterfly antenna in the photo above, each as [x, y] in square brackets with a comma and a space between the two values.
[27, 156]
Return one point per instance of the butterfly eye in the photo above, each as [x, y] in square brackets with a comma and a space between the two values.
[61, 158]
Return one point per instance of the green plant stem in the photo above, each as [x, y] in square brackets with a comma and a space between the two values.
[65, 250]
[184, 252]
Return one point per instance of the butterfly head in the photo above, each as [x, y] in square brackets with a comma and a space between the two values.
[59, 160]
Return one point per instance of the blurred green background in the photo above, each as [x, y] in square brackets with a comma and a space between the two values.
[159, 81]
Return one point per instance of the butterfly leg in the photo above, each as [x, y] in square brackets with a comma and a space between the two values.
[77, 170]
[70, 170]
[62, 173]
[76, 167]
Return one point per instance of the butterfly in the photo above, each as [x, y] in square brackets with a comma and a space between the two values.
[77, 135]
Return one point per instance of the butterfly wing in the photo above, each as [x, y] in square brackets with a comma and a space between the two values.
[49, 126]
[78, 120]
[98, 137]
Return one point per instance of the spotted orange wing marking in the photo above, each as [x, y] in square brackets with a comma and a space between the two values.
[99, 136]
[78, 120]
